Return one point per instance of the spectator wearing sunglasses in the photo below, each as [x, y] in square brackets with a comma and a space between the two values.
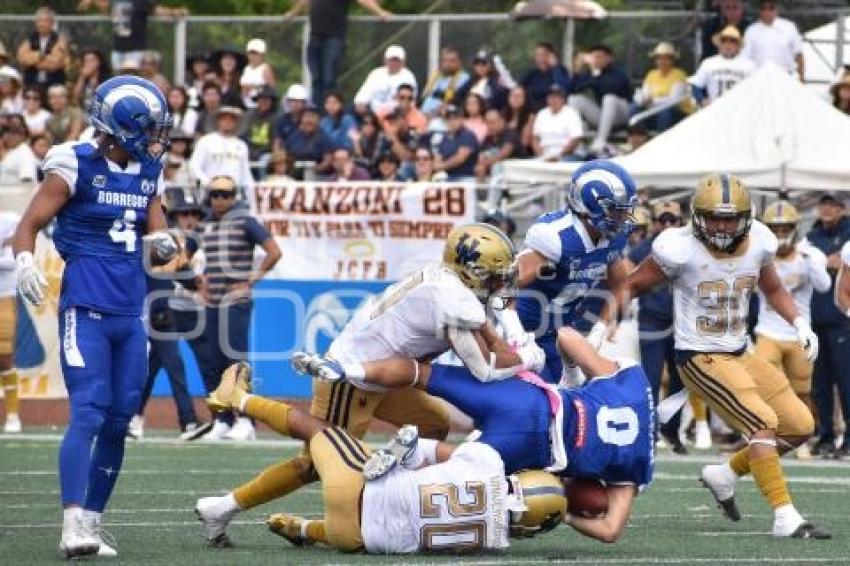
[229, 239]
[34, 114]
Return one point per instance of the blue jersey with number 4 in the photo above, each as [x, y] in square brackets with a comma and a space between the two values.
[98, 231]
[608, 428]
[554, 299]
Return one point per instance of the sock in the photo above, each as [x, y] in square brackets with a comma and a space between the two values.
[75, 453]
[354, 371]
[768, 475]
[274, 482]
[314, 530]
[10, 391]
[230, 505]
[739, 462]
[698, 408]
[788, 514]
[92, 517]
[273, 413]
[107, 457]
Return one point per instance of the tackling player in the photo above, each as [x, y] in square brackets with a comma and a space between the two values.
[8, 321]
[569, 253]
[802, 269]
[104, 194]
[713, 265]
[443, 498]
[439, 307]
[602, 430]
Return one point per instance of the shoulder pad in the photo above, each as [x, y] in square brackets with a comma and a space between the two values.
[62, 160]
[671, 249]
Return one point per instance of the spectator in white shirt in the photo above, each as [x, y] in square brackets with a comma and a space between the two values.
[19, 164]
[34, 113]
[558, 130]
[222, 153]
[774, 39]
[719, 73]
[376, 93]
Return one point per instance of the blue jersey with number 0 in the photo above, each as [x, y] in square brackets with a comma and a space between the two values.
[554, 299]
[608, 428]
[98, 231]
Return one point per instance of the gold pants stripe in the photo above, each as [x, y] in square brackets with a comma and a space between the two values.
[354, 448]
[346, 457]
[332, 402]
[717, 391]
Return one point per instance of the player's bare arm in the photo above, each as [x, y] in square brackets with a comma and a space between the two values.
[51, 195]
[645, 277]
[610, 527]
[842, 289]
[529, 266]
[581, 352]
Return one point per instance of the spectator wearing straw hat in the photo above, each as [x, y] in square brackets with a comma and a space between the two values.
[326, 45]
[222, 153]
[718, 74]
[257, 72]
[662, 86]
[729, 13]
[840, 92]
[377, 91]
[772, 39]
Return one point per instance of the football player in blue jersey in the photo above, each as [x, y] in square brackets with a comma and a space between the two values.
[568, 254]
[602, 430]
[104, 195]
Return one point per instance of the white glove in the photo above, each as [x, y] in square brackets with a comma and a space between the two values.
[31, 282]
[164, 245]
[533, 357]
[807, 338]
[597, 335]
[571, 377]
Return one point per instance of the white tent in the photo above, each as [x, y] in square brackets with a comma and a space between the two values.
[821, 55]
[770, 130]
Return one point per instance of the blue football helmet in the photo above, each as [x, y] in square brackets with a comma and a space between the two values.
[135, 113]
[605, 194]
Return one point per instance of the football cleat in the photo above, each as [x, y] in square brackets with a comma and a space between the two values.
[235, 384]
[136, 427]
[194, 431]
[214, 515]
[722, 489]
[218, 431]
[242, 429]
[76, 539]
[104, 538]
[323, 369]
[808, 530]
[397, 450]
[289, 527]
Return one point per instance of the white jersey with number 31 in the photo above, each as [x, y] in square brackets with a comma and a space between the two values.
[409, 319]
[458, 505]
[711, 292]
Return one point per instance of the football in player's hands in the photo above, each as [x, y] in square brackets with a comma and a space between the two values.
[586, 497]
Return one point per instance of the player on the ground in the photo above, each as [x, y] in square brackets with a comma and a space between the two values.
[104, 195]
[602, 430]
[442, 498]
[569, 253]
[714, 264]
[439, 307]
[8, 321]
[802, 269]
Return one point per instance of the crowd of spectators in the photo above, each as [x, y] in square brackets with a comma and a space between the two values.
[464, 121]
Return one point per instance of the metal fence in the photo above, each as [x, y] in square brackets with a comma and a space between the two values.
[632, 34]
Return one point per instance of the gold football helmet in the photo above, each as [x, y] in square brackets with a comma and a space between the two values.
[782, 219]
[482, 256]
[722, 211]
[542, 500]
[641, 216]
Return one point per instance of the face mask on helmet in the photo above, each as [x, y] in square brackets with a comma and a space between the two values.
[786, 234]
[722, 232]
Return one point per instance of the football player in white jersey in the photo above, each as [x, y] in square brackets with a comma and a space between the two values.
[716, 75]
[8, 320]
[441, 498]
[438, 308]
[802, 269]
[713, 265]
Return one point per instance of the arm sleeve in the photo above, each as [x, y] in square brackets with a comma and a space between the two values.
[545, 241]
[467, 349]
[256, 231]
[669, 253]
[61, 160]
[816, 261]
[196, 162]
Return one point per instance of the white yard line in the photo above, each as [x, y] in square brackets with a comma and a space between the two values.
[663, 560]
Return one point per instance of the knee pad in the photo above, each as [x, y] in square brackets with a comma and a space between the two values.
[87, 420]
